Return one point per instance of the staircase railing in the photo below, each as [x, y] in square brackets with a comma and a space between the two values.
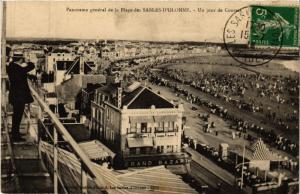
[107, 180]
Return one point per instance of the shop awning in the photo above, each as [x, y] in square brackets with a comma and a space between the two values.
[139, 142]
[141, 119]
[165, 118]
[95, 150]
[168, 140]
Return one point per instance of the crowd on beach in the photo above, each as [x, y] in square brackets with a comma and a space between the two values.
[242, 126]
[250, 92]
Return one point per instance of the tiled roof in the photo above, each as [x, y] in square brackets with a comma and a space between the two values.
[140, 98]
[128, 97]
[145, 98]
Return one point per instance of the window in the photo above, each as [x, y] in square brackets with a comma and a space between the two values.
[166, 126]
[93, 112]
[137, 151]
[99, 98]
[96, 114]
[144, 127]
[168, 148]
[160, 149]
[107, 113]
[143, 150]
[112, 136]
[53, 59]
[171, 148]
[111, 116]
[132, 151]
[171, 126]
[99, 115]
[160, 127]
[138, 127]
[133, 127]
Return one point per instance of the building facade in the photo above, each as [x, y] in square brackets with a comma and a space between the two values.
[53, 57]
[142, 127]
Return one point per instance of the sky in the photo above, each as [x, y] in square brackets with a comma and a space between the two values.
[52, 20]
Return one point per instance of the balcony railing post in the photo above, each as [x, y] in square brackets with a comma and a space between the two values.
[55, 180]
[84, 180]
[39, 115]
[29, 119]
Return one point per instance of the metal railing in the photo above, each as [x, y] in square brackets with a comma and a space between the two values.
[88, 168]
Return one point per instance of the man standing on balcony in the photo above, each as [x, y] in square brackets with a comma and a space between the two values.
[19, 92]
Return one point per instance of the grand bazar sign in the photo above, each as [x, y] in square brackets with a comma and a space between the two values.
[142, 162]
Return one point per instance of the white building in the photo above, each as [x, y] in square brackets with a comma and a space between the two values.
[142, 127]
[53, 57]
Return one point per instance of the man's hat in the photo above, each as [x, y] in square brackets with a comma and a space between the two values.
[17, 56]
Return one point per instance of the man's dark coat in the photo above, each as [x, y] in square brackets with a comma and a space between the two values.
[19, 91]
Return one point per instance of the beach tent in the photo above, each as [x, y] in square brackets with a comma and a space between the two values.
[261, 156]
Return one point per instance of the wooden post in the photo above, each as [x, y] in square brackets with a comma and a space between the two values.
[84, 180]
[3, 59]
[55, 181]
[28, 118]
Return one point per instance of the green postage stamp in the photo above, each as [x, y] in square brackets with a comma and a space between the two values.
[274, 26]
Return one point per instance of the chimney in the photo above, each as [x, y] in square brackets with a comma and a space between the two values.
[119, 97]
[81, 65]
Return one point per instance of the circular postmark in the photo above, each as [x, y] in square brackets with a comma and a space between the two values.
[253, 35]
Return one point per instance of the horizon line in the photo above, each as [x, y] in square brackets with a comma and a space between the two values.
[57, 38]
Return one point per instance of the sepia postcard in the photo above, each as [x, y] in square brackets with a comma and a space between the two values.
[162, 97]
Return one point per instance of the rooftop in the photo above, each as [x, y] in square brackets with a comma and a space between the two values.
[144, 98]
[75, 67]
[135, 96]
[95, 150]
[155, 180]
[91, 87]
[78, 131]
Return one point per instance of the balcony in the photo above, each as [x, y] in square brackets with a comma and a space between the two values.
[160, 130]
[151, 132]
[151, 153]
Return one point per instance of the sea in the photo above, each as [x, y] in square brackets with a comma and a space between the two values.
[291, 64]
